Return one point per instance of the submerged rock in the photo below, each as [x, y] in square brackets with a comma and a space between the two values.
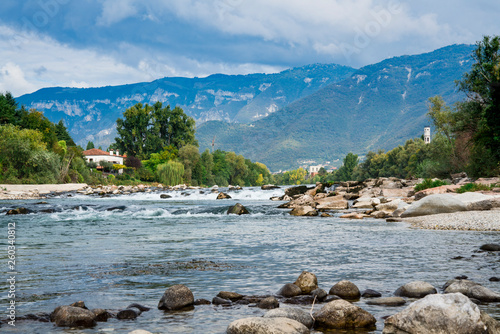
[18, 211]
[261, 325]
[101, 315]
[176, 297]
[340, 314]
[387, 301]
[127, 314]
[490, 247]
[369, 293]
[237, 209]
[222, 195]
[269, 187]
[268, 303]
[232, 296]
[442, 314]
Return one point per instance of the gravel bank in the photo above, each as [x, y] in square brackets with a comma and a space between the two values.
[463, 221]
[35, 191]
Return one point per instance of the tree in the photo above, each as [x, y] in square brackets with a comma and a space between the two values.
[62, 134]
[170, 173]
[189, 156]
[345, 173]
[147, 129]
[482, 86]
[90, 145]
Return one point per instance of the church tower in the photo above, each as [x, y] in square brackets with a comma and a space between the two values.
[427, 135]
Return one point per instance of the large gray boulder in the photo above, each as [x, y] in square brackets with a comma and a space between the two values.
[416, 289]
[176, 297]
[291, 313]
[332, 203]
[307, 282]
[71, 316]
[307, 211]
[261, 325]
[442, 314]
[340, 314]
[298, 190]
[345, 290]
[472, 290]
[434, 204]
[237, 209]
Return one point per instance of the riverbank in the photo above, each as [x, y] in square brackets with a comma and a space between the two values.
[463, 221]
[36, 191]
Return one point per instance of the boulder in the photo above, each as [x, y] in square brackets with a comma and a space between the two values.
[176, 297]
[387, 301]
[71, 316]
[221, 301]
[165, 196]
[389, 206]
[354, 215]
[232, 296]
[18, 211]
[340, 314]
[202, 301]
[291, 313]
[101, 315]
[332, 203]
[269, 187]
[222, 195]
[369, 293]
[490, 247]
[442, 314]
[307, 282]
[307, 211]
[305, 200]
[434, 204]
[416, 289]
[380, 214]
[266, 325]
[345, 290]
[127, 314]
[472, 290]
[298, 190]
[366, 203]
[237, 209]
[436, 190]
[480, 205]
[402, 192]
[289, 290]
[471, 197]
[320, 294]
[140, 307]
[268, 303]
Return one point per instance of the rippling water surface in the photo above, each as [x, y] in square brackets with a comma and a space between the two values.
[111, 252]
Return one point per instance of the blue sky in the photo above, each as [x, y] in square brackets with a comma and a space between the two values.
[88, 43]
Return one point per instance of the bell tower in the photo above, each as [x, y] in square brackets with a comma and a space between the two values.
[427, 135]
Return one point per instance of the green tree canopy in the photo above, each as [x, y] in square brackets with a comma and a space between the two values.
[147, 129]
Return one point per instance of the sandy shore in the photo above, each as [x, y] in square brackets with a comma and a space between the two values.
[27, 191]
[463, 221]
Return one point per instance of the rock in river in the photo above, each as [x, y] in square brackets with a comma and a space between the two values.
[176, 297]
[345, 290]
[442, 314]
[268, 303]
[307, 211]
[340, 314]
[260, 325]
[307, 282]
[289, 290]
[472, 290]
[416, 289]
[222, 195]
[70, 316]
[434, 204]
[291, 313]
[237, 209]
[387, 301]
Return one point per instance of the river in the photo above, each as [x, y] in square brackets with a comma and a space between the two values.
[111, 252]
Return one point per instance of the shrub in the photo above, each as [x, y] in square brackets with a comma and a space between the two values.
[170, 173]
[472, 187]
[428, 183]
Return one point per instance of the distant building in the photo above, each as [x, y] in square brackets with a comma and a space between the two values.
[427, 135]
[96, 155]
[313, 170]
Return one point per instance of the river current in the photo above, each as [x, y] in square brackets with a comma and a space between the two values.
[111, 252]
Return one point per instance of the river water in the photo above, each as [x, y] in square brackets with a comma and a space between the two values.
[111, 252]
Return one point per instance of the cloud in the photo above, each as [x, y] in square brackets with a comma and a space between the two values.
[12, 79]
[114, 11]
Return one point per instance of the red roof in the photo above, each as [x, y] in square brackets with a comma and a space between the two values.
[96, 151]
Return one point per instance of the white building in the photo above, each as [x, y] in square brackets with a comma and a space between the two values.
[313, 170]
[427, 135]
[96, 155]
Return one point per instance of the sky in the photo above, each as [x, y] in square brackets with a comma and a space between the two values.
[94, 43]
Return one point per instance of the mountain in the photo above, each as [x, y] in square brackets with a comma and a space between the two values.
[90, 113]
[378, 107]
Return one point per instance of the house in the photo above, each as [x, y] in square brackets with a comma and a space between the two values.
[313, 170]
[96, 155]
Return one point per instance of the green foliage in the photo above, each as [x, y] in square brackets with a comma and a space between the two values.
[106, 166]
[345, 173]
[170, 173]
[145, 174]
[147, 129]
[90, 145]
[472, 187]
[429, 183]
[62, 133]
